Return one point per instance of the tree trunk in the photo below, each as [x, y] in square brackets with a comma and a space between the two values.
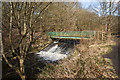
[25, 19]
[22, 68]
[31, 29]
[19, 27]
[10, 29]
[23, 77]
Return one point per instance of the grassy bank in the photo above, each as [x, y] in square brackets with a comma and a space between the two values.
[85, 62]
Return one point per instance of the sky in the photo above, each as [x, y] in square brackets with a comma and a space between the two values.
[87, 4]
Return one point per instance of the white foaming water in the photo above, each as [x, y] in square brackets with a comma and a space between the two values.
[53, 49]
[55, 42]
[53, 54]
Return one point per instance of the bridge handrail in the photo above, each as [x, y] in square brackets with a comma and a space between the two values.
[72, 33]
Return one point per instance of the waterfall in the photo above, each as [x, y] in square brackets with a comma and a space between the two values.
[55, 51]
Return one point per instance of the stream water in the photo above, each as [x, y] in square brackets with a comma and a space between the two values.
[56, 51]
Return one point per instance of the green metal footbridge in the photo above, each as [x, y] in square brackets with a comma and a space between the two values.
[75, 35]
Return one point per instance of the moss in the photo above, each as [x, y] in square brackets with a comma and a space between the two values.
[39, 69]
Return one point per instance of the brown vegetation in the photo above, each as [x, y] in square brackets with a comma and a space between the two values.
[85, 63]
[24, 25]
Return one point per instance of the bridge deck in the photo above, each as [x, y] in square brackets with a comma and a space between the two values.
[65, 37]
[72, 35]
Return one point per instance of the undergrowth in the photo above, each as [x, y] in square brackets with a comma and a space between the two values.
[85, 63]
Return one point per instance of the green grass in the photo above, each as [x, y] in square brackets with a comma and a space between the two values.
[110, 49]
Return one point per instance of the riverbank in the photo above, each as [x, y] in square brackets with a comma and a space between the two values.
[86, 62]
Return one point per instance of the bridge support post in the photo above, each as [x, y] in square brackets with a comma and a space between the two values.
[97, 35]
[102, 36]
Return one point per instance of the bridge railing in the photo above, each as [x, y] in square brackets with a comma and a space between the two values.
[88, 34]
[98, 35]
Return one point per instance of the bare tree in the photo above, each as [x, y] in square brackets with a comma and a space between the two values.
[22, 17]
[106, 9]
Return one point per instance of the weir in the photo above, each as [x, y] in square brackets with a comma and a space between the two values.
[63, 44]
[56, 51]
